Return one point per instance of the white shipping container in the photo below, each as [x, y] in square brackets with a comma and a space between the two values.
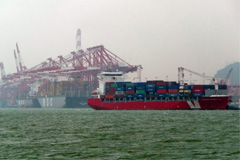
[187, 91]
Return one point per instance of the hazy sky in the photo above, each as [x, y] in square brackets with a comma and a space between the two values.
[161, 35]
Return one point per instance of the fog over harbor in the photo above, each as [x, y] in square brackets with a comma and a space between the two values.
[161, 35]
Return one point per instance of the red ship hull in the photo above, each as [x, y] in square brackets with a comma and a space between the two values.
[205, 103]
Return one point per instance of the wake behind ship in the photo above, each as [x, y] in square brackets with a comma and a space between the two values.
[114, 93]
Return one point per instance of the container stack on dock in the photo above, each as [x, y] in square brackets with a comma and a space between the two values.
[74, 88]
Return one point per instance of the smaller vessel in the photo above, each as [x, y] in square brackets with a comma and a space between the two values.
[114, 93]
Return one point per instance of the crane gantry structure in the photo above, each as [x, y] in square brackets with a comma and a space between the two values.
[84, 65]
[181, 75]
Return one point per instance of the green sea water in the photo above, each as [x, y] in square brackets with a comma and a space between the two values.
[90, 134]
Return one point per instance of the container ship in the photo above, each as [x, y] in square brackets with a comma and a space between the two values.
[58, 94]
[64, 94]
[115, 94]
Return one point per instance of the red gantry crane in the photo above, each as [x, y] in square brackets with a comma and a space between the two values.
[84, 65]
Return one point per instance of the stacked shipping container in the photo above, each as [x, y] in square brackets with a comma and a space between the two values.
[74, 88]
[159, 90]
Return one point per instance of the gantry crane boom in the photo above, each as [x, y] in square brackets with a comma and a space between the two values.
[16, 61]
[21, 64]
[227, 78]
[19, 58]
[181, 75]
[2, 70]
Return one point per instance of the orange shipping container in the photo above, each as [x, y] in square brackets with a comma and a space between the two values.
[130, 92]
[109, 96]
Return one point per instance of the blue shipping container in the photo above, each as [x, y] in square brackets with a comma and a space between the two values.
[119, 89]
[173, 87]
[130, 96]
[123, 82]
[140, 95]
[130, 88]
[187, 87]
[140, 88]
[207, 86]
[140, 84]
[219, 86]
[150, 89]
[150, 95]
[161, 95]
[150, 85]
[172, 83]
[173, 94]
[224, 86]
[161, 87]
[197, 94]
[212, 86]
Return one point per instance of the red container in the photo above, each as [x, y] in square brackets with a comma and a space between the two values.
[161, 91]
[130, 92]
[111, 92]
[109, 83]
[111, 89]
[153, 82]
[109, 96]
[173, 91]
[198, 90]
[161, 83]
[198, 87]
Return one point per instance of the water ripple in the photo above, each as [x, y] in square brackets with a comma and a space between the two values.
[90, 134]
